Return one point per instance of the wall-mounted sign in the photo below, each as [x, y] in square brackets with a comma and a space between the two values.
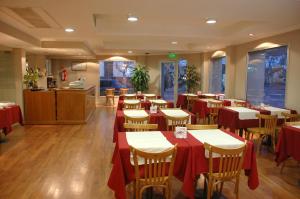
[172, 56]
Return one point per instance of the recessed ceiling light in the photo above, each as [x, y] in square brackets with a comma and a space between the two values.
[211, 21]
[129, 51]
[132, 18]
[69, 30]
[174, 42]
[251, 35]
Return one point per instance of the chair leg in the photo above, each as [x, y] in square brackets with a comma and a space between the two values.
[237, 184]
[282, 166]
[221, 188]
[210, 188]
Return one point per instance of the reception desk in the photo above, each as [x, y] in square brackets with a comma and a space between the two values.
[59, 106]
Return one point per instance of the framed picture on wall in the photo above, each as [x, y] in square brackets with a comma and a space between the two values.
[79, 66]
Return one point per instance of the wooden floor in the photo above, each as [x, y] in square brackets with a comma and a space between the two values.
[73, 161]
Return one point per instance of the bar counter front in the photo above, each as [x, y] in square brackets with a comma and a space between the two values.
[59, 106]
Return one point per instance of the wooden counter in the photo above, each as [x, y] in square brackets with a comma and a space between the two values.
[59, 106]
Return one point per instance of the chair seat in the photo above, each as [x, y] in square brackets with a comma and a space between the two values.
[256, 130]
[109, 95]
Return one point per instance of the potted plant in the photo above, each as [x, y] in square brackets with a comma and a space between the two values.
[31, 77]
[140, 78]
[192, 79]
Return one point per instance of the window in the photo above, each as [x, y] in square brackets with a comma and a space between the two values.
[217, 75]
[115, 74]
[266, 81]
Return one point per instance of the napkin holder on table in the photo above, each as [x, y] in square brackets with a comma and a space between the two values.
[180, 132]
[139, 92]
[199, 92]
[153, 109]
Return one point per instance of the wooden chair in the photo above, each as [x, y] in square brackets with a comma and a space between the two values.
[190, 101]
[201, 127]
[214, 108]
[229, 169]
[130, 97]
[160, 105]
[157, 171]
[290, 117]
[135, 120]
[110, 95]
[240, 104]
[123, 91]
[172, 122]
[267, 127]
[136, 105]
[140, 127]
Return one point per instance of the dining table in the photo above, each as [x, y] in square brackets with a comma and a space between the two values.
[182, 99]
[191, 159]
[154, 118]
[201, 106]
[145, 104]
[288, 144]
[138, 96]
[10, 115]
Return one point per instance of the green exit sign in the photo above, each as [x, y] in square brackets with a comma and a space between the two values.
[172, 55]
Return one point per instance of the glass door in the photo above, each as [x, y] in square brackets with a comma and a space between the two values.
[217, 75]
[167, 80]
[171, 86]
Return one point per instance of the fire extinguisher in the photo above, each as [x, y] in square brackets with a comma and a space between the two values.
[64, 75]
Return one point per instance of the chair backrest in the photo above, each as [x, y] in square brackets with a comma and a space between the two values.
[201, 127]
[110, 91]
[157, 170]
[268, 122]
[230, 161]
[140, 127]
[191, 100]
[139, 120]
[128, 97]
[151, 97]
[214, 107]
[160, 105]
[290, 117]
[123, 91]
[240, 103]
[136, 105]
[172, 122]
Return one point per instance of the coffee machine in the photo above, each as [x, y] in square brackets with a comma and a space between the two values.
[51, 82]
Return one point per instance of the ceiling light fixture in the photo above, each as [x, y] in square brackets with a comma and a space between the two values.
[130, 51]
[69, 30]
[211, 21]
[251, 35]
[174, 42]
[132, 18]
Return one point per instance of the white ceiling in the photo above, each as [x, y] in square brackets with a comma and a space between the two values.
[102, 26]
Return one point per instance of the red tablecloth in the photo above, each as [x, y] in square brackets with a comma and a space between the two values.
[181, 101]
[230, 119]
[288, 144]
[200, 107]
[155, 118]
[10, 116]
[190, 161]
[201, 164]
[121, 97]
[123, 172]
[144, 104]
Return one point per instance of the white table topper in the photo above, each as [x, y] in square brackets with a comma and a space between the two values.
[296, 126]
[135, 113]
[131, 101]
[216, 138]
[159, 101]
[276, 111]
[245, 113]
[148, 141]
[149, 95]
[190, 94]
